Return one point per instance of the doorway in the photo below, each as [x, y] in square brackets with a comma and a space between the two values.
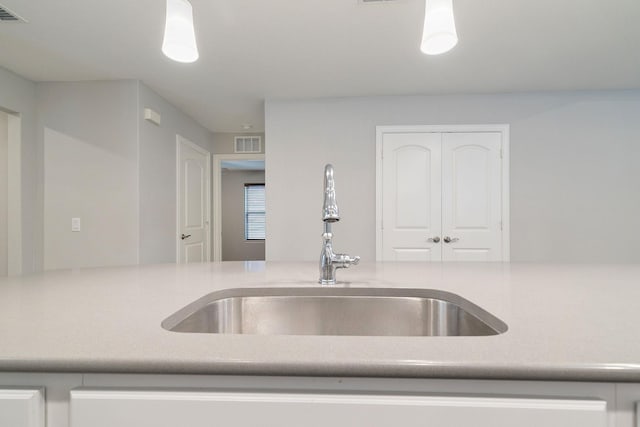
[10, 194]
[442, 193]
[193, 194]
[238, 207]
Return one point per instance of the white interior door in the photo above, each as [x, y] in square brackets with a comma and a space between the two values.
[442, 193]
[471, 196]
[193, 202]
[411, 197]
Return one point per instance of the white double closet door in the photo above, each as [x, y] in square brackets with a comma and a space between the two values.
[441, 196]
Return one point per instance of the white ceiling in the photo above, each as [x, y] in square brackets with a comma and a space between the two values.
[252, 50]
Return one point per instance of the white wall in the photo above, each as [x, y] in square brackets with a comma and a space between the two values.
[234, 245]
[157, 165]
[116, 171]
[19, 96]
[99, 124]
[4, 192]
[89, 133]
[575, 195]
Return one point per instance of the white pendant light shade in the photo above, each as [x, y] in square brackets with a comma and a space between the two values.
[179, 41]
[439, 34]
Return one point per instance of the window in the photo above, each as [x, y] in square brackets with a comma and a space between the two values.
[254, 212]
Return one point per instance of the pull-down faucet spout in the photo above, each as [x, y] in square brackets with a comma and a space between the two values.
[330, 261]
[330, 211]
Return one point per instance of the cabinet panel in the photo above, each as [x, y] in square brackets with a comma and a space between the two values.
[110, 408]
[21, 407]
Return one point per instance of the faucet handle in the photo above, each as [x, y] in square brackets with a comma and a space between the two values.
[344, 260]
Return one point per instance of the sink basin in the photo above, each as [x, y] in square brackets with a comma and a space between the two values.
[334, 311]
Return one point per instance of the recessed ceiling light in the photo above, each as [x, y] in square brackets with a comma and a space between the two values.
[246, 126]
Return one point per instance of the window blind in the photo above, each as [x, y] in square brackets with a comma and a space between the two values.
[254, 212]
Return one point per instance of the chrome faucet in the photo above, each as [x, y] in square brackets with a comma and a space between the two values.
[330, 261]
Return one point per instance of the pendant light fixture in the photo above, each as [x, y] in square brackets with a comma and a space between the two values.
[179, 41]
[439, 34]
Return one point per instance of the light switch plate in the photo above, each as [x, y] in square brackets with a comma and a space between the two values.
[75, 224]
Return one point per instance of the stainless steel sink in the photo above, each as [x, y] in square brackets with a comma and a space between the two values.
[334, 311]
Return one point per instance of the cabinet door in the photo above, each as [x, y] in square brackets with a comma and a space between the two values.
[411, 192]
[471, 196]
[21, 407]
[110, 408]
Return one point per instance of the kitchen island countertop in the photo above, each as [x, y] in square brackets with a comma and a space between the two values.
[566, 323]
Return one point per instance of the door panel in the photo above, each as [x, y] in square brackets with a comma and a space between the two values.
[411, 196]
[478, 255]
[470, 187]
[194, 192]
[412, 187]
[193, 199]
[471, 202]
[194, 252]
[400, 254]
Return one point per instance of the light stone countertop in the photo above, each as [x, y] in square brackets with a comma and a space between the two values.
[566, 322]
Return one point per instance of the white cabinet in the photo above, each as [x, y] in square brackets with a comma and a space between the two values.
[172, 408]
[22, 407]
[627, 408]
[129, 400]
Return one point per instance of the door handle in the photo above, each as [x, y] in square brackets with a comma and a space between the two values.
[434, 239]
[448, 239]
[185, 236]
